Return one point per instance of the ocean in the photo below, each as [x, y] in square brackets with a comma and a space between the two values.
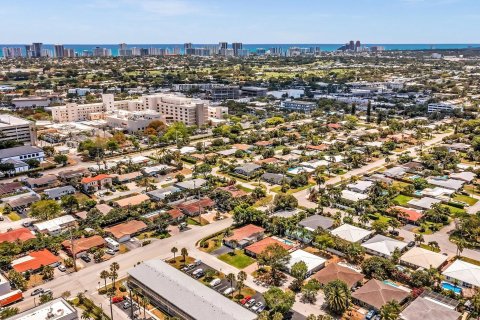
[253, 47]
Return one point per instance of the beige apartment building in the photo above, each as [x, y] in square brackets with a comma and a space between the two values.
[17, 129]
[171, 108]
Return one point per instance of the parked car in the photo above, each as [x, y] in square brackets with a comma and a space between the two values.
[215, 282]
[228, 291]
[199, 274]
[27, 224]
[370, 314]
[197, 271]
[250, 303]
[86, 258]
[46, 292]
[197, 263]
[62, 268]
[110, 251]
[126, 305]
[117, 299]
[411, 244]
[245, 300]
[262, 307]
[257, 306]
[36, 291]
[188, 267]
[394, 233]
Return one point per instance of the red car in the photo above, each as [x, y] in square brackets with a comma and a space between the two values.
[245, 300]
[117, 299]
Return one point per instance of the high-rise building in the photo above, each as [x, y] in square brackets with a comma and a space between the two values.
[236, 46]
[59, 51]
[34, 50]
[47, 53]
[358, 45]
[123, 50]
[10, 53]
[69, 53]
[351, 46]
[186, 48]
[176, 51]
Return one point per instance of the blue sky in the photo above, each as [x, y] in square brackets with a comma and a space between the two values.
[248, 21]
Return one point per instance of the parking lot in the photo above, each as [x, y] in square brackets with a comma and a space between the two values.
[224, 284]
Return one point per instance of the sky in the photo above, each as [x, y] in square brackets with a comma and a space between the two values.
[247, 21]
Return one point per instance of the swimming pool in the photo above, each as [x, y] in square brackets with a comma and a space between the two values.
[451, 287]
[390, 283]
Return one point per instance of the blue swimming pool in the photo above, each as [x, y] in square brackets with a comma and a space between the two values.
[451, 287]
[390, 283]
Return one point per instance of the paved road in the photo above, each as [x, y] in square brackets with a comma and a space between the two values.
[86, 280]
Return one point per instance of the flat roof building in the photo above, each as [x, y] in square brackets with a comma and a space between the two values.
[181, 296]
[57, 309]
[17, 129]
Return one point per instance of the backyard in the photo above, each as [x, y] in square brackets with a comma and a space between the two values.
[237, 258]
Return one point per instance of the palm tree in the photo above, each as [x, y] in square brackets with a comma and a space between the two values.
[104, 275]
[145, 302]
[390, 310]
[114, 267]
[174, 250]
[419, 238]
[230, 277]
[241, 277]
[461, 243]
[85, 315]
[184, 254]
[337, 296]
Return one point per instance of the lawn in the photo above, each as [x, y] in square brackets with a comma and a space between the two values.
[471, 189]
[455, 211]
[195, 222]
[212, 244]
[427, 247]
[402, 200]
[465, 199]
[278, 189]
[13, 216]
[238, 259]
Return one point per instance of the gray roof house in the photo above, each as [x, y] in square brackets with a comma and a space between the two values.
[57, 193]
[248, 169]
[466, 176]
[190, 184]
[424, 203]
[395, 172]
[180, 295]
[451, 184]
[160, 194]
[313, 222]
[275, 178]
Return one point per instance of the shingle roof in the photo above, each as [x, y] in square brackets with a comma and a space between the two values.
[423, 258]
[428, 309]
[197, 300]
[334, 271]
[376, 293]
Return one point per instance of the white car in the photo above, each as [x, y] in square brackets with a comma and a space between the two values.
[250, 303]
[257, 306]
[110, 251]
[215, 282]
[228, 291]
[62, 268]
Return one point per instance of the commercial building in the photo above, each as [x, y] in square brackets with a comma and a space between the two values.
[17, 129]
[254, 91]
[22, 153]
[57, 309]
[225, 93]
[181, 296]
[132, 121]
[31, 102]
[298, 106]
[442, 107]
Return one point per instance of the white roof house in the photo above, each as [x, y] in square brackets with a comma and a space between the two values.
[360, 186]
[426, 308]
[383, 246]
[187, 149]
[353, 196]
[55, 225]
[313, 262]
[423, 258]
[466, 176]
[468, 274]
[351, 233]
[447, 183]
[185, 293]
[437, 192]
[395, 172]
[424, 203]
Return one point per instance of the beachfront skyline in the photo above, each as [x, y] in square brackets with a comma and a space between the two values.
[248, 21]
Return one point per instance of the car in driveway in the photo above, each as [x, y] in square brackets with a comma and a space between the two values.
[215, 282]
[110, 252]
[228, 291]
[250, 303]
[86, 258]
[37, 291]
[62, 268]
[126, 305]
[370, 314]
[256, 306]
[245, 300]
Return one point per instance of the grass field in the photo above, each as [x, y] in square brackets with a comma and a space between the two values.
[402, 200]
[238, 259]
[454, 210]
[465, 199]
[13, 216]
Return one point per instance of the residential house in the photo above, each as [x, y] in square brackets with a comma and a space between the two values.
[375, 294]
[191, 184]
[125, 231]
[314, 222]
[196, 207]
[313, 262]
[99, 182]
[422, 258]
[71, 174]
[248, 169]
[55, 226]
[451, 184]
[464, 273]
[427, 308]
[83, 245]
[335, 271]
[351, 233]
[361, 186]
[275, 178]
[244, 236]
[132, 201]
[58, 193]
[42, 182]
[35, 261]
[258, 247]
[23, 202]
[234, 191]
[353, 196]
[160, 194]
[424, 203]
[465, 176]
[12, 236]
[383, 246]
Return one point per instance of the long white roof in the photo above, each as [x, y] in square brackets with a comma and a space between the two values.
[423, 258]
[351, 233]
[464, 271]
[187, 294]
[384, 245]
[312, 261]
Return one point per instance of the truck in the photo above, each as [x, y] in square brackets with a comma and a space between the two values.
[112, 244]
[11, 297]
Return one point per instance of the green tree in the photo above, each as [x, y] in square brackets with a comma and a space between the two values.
[279, 301]
[114, 267]
[299, 272]
[61, 159]
[104, 275]
[69, 203]
[390, 310]
[184, 254]
[310, 290]
[337, 296]
[230, 278]
[47, 272]
[8, 312]
[17, 280]
[241, 277]
[378, 268]
[276, 257]
[285, 201]
[380, 226]
[45, 209]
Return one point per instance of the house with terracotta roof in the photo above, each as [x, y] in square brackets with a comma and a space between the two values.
[82, 245]
[242, 146]
[125, 231]
[176, 215]
[234, 191]
[334, 126]
[196, 207]
[258, 247]
[99, 182]
[34, 261]
[244, 236]
[335, 271]
[132, 201]
[264, 143]
[408, 215]
[21, 234]
[321, 147]
[374, 294]
[10, 188]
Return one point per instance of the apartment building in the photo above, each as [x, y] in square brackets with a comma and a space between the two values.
[442, 107]
[132, 121]
[170, 108]
[17, 129]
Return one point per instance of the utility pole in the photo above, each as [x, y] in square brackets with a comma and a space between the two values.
[73, 251]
